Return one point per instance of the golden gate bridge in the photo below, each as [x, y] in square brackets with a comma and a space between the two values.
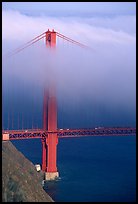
[50, 133]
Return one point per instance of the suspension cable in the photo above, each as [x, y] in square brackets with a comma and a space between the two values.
[71, 40]
[22, 48]
[18, 121]
[39, 37]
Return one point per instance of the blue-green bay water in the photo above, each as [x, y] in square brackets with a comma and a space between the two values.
[92, 169]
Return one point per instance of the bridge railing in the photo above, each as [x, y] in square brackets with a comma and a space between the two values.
[62, 133]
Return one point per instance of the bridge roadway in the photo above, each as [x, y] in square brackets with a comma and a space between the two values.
[66, 133]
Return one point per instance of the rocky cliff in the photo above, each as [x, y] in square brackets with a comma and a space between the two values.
[20, 180]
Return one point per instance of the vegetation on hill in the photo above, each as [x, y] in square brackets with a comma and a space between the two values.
[20, 180]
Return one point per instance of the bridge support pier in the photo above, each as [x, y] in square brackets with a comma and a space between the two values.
[51, 175]
[44, 154]
[49, 144]
[51, 172]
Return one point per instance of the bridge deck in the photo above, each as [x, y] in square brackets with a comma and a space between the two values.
[65, 133]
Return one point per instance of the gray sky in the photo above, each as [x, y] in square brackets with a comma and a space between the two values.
[93, 86]
[72, 8]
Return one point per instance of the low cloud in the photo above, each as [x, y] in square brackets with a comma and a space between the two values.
[104, 76]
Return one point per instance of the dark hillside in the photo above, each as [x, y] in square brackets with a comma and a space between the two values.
[20, 181]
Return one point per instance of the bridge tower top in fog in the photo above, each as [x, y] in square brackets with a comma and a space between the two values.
[50, 38]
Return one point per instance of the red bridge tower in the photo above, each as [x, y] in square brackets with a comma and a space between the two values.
[49, 145]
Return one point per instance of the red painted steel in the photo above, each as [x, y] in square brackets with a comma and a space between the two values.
[49, 134]
[52, 139]
[23, 47]
[50, 119]
[45, 127]
[50, 42]
[45, 110]
[40, 133]
[51, 38]
[72, 41]
[52, 110]
[44, 155]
